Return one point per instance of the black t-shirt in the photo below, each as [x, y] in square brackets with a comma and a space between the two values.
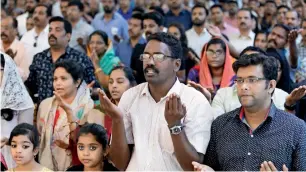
[137, 64]
[107, 167]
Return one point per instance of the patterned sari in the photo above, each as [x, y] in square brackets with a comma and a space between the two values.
[53, 126]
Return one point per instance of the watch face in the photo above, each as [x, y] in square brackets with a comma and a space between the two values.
[176, 130]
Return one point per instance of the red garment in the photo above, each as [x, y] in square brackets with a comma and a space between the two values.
[57, 114]
[108, 125]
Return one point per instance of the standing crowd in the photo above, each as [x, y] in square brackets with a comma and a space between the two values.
[153, 85]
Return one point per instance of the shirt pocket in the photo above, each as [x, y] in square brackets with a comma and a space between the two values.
[165, 139]
[278, 152]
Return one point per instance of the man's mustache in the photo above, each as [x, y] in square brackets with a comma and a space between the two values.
[151, 67]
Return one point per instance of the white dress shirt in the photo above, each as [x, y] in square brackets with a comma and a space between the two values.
[227, 100]
[22, 59]
[241, 42]
[56, 9]
[41, 41]
[147, 129]
[196, 41]
[22, 23]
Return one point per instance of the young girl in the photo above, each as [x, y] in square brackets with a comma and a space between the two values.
[121, 78]
[92, 149]
[24, 142]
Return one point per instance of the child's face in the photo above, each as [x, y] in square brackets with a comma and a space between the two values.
[22, 150]
[90, 152]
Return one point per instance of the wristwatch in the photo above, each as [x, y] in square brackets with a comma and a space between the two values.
[291, 107]
[177, 129]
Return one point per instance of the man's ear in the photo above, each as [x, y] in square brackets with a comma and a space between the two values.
[177, 64]
[272, 86]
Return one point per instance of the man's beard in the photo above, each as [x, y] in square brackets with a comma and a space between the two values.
[108, 10]
[198, 22]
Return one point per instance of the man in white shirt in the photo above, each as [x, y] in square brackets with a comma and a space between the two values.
[246, 36]
[167, 123]
[80, 29]
[198, 35]
[21, 19]
[13, 47]
[36, 40]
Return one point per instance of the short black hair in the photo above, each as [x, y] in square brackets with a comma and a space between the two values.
[102, 34]
[246, 9]
[75, 69]
[199, 5]
[67, 25]
[156, 16]
[252, 48]
[138, 16]
[77, 3]
[97, 131]
[28, 130]
[268, 64]
[158, 9]
[172, 42]
[285, 27]
[128, 72]
[138, 10]
[283, 6]
[49, 8]
[217, 6]
[272, 2]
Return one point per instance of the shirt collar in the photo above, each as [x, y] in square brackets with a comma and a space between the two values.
[67, 52]
[46, 30]
[176, 88]
[270, 114]
[182, 12]
[251, 35]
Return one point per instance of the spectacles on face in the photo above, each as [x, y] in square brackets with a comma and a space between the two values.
[211, 53]
[158, 57]
[251, 80]
[35, 43]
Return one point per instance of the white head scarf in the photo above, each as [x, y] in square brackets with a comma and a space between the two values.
[13, 93]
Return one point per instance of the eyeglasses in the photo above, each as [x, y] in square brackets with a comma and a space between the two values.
[35, 43]
[252, 80]
[211, 53]
[158, 57]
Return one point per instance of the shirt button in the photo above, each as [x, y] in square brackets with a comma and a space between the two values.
[249, 153]
[252, 135]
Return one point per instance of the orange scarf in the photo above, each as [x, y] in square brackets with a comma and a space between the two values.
[205, 75]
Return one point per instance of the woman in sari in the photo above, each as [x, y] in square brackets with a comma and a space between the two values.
[215, 70]
[16, 105]
[59, 116]
[102, 55]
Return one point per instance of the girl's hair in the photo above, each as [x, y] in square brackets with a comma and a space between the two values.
[180, 27]
[28, 130]
[97, 130]
[102, 34]
[217, 41]
[74, 68]
[128, 72]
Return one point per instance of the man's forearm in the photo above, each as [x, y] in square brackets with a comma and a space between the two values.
[119, 150]
[293, 55]
[185, 152]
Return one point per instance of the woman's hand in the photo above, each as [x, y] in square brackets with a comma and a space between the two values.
[65, 106]
[94, 58]
[200, 167]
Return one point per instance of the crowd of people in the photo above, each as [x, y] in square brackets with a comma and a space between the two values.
[146, 85]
